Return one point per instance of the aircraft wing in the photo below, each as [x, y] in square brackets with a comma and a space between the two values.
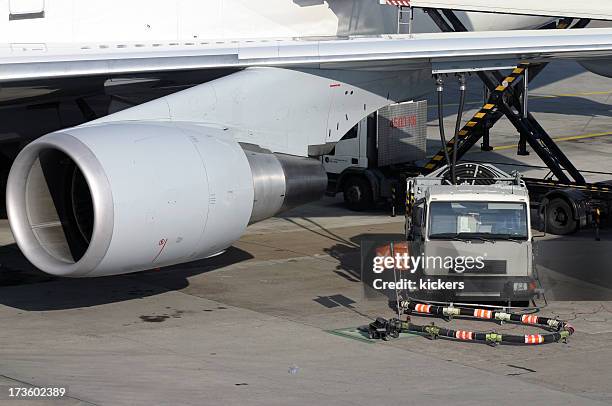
[447, 51]
[591, 9]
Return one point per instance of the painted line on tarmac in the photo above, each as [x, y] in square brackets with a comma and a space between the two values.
[555, 96]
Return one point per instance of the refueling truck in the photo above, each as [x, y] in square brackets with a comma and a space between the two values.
[484, 216]
[369, 164]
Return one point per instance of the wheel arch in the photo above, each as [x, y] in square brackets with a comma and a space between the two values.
[367, 174]
[577, 201]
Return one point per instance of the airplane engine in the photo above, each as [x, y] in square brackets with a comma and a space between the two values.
[115, 198]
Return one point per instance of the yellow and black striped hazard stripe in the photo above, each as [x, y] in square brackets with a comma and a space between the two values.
[436, 161]
[409, 199]
[409, 203]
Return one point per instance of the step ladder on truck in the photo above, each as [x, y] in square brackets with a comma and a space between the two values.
[405, 15]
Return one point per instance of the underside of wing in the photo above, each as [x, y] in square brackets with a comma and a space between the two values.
[478, 50]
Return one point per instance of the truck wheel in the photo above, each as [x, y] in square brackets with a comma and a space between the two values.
[560, 218]
[358, 194]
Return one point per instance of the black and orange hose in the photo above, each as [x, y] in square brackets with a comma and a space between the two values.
[558, 330]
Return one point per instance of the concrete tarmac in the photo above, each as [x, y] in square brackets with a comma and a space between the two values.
[271, 321]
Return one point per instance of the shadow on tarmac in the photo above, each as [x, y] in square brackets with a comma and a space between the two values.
[349, 256]
[26, 288]
[571, 105]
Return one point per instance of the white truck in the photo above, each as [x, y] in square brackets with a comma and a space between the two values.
[484, 215]
[370, 162]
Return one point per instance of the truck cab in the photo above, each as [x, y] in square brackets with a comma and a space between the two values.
[485, 228]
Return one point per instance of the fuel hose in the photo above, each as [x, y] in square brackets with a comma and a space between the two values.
[440, 90]
[462, 89]
[558, 330]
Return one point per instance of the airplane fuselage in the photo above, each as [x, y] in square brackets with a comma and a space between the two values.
[188, 20]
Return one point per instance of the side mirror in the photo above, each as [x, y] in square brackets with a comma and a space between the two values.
[542, 218]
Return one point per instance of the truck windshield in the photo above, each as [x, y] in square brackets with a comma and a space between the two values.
[478, 220]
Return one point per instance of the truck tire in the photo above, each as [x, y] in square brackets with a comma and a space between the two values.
[358, 194]
[560, 217]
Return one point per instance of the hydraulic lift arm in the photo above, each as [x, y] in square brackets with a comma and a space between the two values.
[505, 99]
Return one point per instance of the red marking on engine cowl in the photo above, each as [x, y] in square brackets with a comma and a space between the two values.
[162, 243]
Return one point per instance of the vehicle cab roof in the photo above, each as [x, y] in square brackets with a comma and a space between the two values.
[495, 192]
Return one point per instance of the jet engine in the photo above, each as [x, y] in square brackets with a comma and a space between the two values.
[121, 197]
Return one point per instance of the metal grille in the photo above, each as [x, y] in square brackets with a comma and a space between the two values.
[494, 266]
[402, 133]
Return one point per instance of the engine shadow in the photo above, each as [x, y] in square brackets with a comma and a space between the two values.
[24, 287]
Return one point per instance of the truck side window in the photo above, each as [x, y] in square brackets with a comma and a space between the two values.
[352, 133]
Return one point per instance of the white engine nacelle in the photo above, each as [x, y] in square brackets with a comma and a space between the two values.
[122, 197]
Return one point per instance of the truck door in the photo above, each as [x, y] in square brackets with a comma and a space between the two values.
[346, 153]
[348, 146]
